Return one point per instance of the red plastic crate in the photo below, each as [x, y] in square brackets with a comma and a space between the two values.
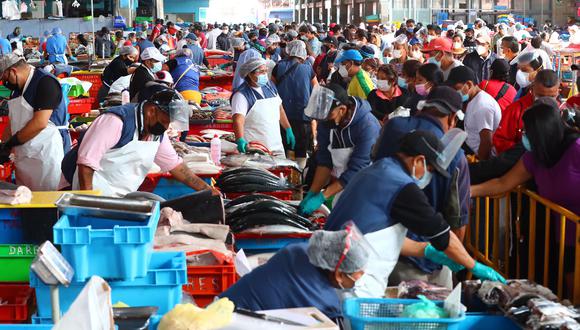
[223, 81]
[196, 129]
[285, 195]
[206, 282]
[20, 298]
[4, 122]
[95, 79]
[6, 173]
[79, 106]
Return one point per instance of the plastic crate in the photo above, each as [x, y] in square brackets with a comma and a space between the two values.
[95, 79]
[161, 287]
[265, 243]
[11, 231]
[379, 314]
[15, 260]
[4, 122]
[285, 195]
[25, 326]
[80, 105]
[480, 321]
[110, 248]
[196, 129]
[6, 170]
[20, 301]
[163, 185]
[206, 282]
[223, 81]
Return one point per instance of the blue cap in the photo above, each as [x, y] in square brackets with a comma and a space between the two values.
[56, 30]
[191, 36]
[46, 33]
[367, 52]
[349, 55]
[414, 41]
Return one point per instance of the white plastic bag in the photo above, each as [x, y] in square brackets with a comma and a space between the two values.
[91, 310]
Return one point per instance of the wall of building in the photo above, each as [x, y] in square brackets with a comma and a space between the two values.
[36, 27]
[184, 6]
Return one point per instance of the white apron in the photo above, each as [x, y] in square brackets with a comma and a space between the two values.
[263, 124]
[124, 169]
[387, 243]
[340, 158]
[38, 160]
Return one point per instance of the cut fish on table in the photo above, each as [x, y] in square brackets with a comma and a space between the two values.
[210, 133]
[266, 162]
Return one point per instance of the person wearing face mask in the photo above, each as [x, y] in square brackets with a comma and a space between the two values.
[510, 48]
[38, 131]
[122, 145]
[258, 112]
[120, 66]
[447, 195]
[440, 54]
[387, 96]
[400, 52]
[306, 274]
[104, 47]
[385, 200]
[427, 76]
[57, 48]
[406, 79]
[142, 42]
[273, 48]
[469, 40]
[529, 64]
[497, 86]
[185, 75]
[481, 59]
[330, 45]
[457, 47]
[223, 40]
[243, 57]
[552, 150]
[151, 63]
[294, 79]
[349, 68]
[5, 47]
[510, 130]
[482, 113]
[197, 54]
[415, 50]
[346, 133]
[308, 34]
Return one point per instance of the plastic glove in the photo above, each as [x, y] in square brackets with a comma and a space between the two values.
[311, 203]
[72, 58]
[242, 144]
[484, 272]
[290, 138]
[441, 258]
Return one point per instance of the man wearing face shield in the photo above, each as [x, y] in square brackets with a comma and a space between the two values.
[306, 274]
[38, 132]
[529, 64]
[385, 200]
[347, 130]
[349, 68]
[257, 110]
[120, 147]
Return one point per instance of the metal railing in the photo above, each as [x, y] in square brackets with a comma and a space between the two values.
[523, 235]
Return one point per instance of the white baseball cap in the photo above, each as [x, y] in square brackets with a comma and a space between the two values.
[152, 53]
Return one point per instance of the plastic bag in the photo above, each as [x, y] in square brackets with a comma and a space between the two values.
[190, 317]
[426, 309]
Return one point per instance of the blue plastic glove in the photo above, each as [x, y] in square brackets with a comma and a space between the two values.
[242, 144]
[290, 138]
[72, 59]
[441, 258]
[484, 272]
[311, 203]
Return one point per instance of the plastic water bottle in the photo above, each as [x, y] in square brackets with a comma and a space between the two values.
[216, 149]
[125, 97]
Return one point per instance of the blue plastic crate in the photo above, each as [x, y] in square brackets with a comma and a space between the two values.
[171, 188]
[379, 314]
[162, 287]
[11, 227]
[266, 245]
[481, 321]
[25, 326]
[110, 248]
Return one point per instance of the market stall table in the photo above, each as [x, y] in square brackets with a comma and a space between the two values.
[310, 316]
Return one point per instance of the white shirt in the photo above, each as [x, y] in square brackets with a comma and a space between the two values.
[212, 38]
[482, 112]
[181, 43]
[455, 64]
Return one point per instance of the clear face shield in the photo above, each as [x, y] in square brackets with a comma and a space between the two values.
[357, 242]
[320, 103]
[179, 113]
[452, 140]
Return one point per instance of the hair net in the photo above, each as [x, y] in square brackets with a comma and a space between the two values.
[250, 66]
[56, 30]
[296, 48]
[401, 39]
[273, 39]
[184, 52]
[326, 247]
[237, 42]
[128, 50]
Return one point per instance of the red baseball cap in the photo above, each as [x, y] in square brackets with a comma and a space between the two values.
[441, 44]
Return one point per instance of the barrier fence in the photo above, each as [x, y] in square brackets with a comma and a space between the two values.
[523, 235]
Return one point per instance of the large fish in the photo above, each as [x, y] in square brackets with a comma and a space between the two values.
[266, 212]
[258, 161]
[246, 179]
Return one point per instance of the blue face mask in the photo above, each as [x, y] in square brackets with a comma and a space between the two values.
[262, 80]
[387, 60]
[526, 143]
[426, 179]
[157, 67]
[464, 97]
[402, 83]
[433, 60]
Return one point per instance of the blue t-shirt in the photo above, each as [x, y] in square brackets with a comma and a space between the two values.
[5, 47]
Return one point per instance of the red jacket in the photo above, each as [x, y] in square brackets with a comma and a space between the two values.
[511, 125]
[493, 87]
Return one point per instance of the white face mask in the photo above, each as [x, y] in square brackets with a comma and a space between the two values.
[457, 45]
[383, 85]
[343, 71]
[523, 79]
[481, 50]
[397, 53]
[416, 54]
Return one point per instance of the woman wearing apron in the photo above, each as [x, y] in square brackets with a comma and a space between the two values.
[258, 112]
[347, 130]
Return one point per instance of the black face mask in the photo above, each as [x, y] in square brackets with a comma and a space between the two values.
[10, 86]
[157, 129]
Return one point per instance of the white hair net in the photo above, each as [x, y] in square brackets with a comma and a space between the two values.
[237, 42]
[272, 39]
[250, 66]
[296, 48]
[184, 52]
[326, 247]
[128, 50]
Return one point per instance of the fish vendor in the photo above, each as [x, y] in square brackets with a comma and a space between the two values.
[385, 200]
[120, 147]
[57, 48]
[347, 131]
[258, 112]
[306, 274]
[38, 133]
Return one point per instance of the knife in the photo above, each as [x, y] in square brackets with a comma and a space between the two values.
[268, 318]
